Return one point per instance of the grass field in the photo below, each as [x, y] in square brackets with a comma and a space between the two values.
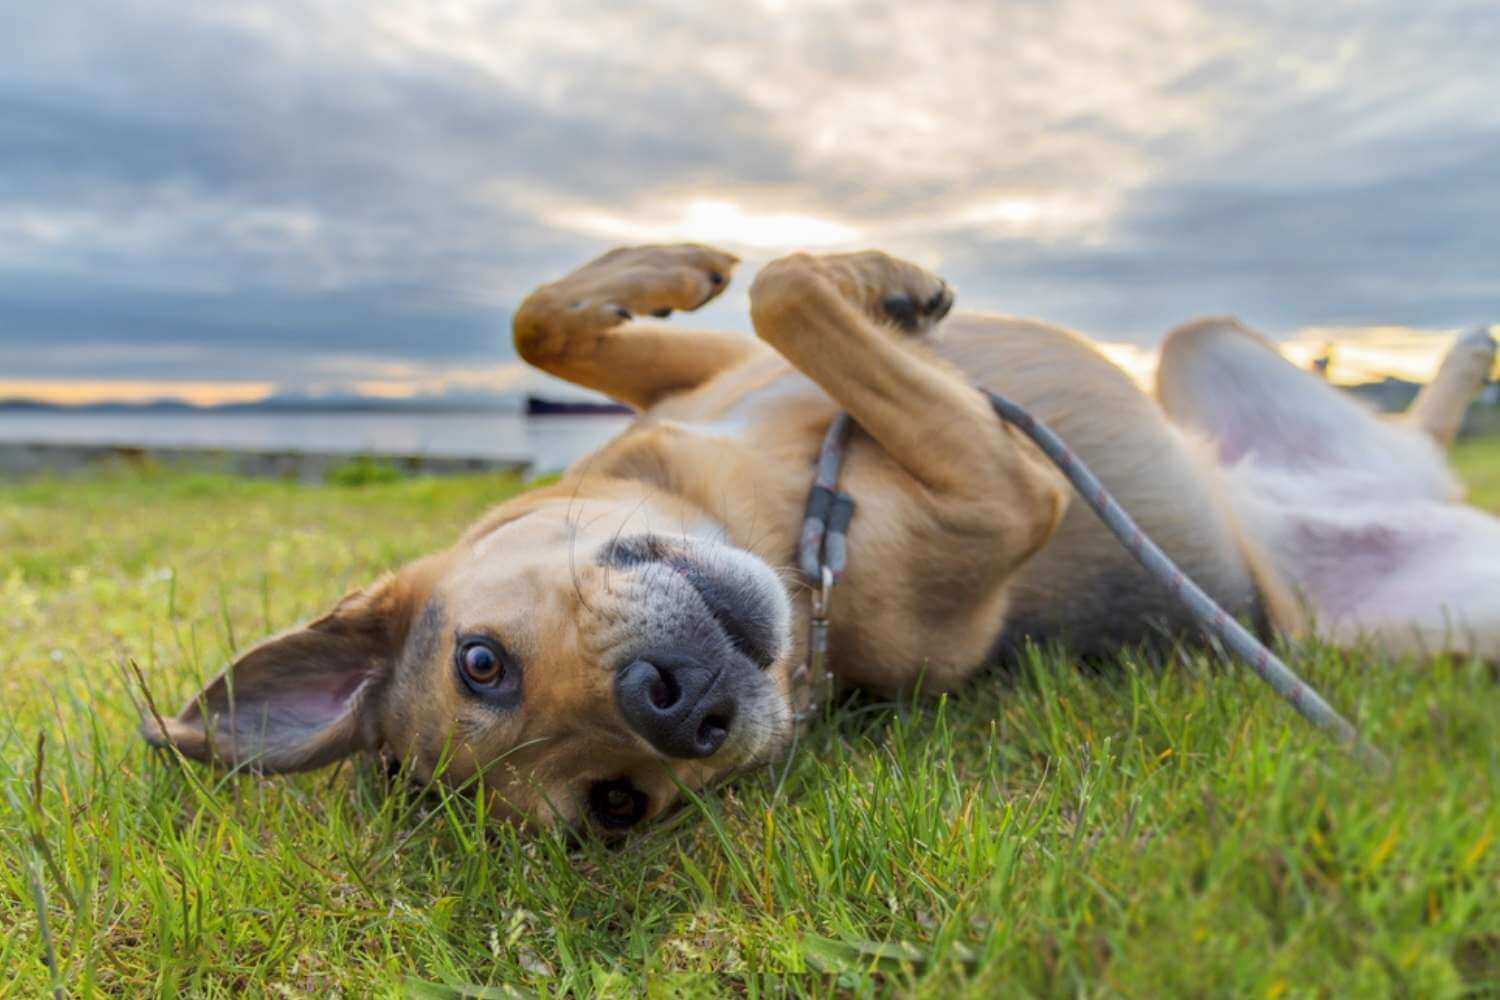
[1155, 829]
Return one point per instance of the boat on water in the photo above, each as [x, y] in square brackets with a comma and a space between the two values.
[537, 406]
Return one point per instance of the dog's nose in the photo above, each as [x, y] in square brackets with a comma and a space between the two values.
[682, 708]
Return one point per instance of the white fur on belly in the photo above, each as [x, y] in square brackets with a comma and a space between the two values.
[1415, 574]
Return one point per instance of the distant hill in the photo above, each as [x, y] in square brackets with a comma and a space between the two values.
[492, 403]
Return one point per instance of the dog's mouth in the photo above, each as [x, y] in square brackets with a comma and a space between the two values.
[617, 804]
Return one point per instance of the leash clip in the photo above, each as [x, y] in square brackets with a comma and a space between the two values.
[822, 596]
[817, 629]
[814, 671]
[822, 552]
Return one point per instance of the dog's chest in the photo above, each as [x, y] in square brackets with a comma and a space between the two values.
[745, 407]
[745, 452]
[740, 448]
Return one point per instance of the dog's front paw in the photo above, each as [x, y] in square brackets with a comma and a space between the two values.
[643, 281]
[888, 289]
[891, 290]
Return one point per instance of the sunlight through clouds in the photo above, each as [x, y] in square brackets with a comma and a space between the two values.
[713, 221]
[382, 182]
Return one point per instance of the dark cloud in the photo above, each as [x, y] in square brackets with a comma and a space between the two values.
[354, 322]
[385, 182]
[1416, 249]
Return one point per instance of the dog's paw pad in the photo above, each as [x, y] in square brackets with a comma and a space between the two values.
[902, 311]
[916, 316]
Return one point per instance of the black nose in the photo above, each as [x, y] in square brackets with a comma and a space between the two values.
[680, 707]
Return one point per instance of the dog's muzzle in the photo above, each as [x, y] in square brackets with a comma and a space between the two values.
[713, 622]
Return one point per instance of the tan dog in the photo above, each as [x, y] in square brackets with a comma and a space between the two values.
[588, 646]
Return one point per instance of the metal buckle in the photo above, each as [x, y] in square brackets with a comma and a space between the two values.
[814, 669]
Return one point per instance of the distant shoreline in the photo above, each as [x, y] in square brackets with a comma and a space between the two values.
[64, 438]
[26, 458]
[170, 407]
[521, 405]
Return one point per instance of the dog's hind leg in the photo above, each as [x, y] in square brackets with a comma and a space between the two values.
[1221, 381]
[580, 328]
[1357, 514]
[1440, 407]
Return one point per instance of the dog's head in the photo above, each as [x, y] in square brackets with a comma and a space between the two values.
[581, 658]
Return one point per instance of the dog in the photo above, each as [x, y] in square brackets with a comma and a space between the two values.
[590, 648]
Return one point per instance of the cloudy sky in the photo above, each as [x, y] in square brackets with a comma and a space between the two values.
[240, 197]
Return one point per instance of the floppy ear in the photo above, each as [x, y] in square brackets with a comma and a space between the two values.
[304, 698]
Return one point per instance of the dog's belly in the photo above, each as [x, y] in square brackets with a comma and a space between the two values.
[759, 427]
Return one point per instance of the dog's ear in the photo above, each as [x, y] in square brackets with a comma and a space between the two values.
[304, 698]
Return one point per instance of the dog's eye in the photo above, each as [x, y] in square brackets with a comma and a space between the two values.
[481, 663]
[617, 804]
[486, 670]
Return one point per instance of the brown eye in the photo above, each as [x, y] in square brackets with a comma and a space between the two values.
[617, 804]
[487, 671]
[481, 664]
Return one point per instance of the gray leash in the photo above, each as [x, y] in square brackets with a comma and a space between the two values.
[823, 553]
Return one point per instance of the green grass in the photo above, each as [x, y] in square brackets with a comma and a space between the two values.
[1154, 829]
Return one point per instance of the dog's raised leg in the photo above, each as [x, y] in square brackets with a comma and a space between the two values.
[840, 319]
[581, 329]
[1439, 408]
[986, 496]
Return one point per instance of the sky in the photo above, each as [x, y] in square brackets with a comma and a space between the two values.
[223, 200]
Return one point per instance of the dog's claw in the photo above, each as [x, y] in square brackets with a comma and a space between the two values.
[940, 303]
[886, 289]
[901, 309]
